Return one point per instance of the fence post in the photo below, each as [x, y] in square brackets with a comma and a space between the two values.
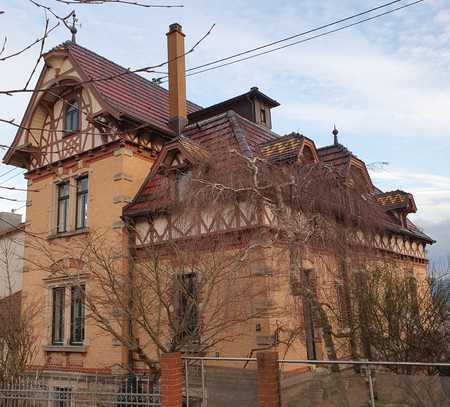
[268, 379]
[171, 380]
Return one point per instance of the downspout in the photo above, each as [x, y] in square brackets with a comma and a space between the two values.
[129, 225]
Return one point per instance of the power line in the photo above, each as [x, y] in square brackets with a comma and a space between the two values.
[11, 199]
[7, 172]
[19, 208]
[14, 176]
[163, 79]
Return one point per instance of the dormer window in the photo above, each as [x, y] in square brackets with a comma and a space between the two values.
[263, 116]
[72, 117]
[182, 183]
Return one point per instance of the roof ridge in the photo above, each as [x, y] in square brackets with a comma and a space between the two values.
[264, 128]
[239, 133]
[198, 124]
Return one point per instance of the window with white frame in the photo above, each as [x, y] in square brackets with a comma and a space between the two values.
[68, 300]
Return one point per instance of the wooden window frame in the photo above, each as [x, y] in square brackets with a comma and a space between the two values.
[60, 341]
[68, 103]
[190, 328]
[77, 341]
[263, 116]
[182, 175]
[66, 200]
[79, 195]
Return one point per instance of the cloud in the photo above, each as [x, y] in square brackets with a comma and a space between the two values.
[385, 80]
[431, 192]
[439, 231]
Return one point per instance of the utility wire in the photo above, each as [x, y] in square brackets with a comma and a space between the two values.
[8, 172]
[14, 176]
[164, 78]
[19, 208]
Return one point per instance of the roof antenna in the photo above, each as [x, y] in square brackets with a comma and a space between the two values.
[335, 133]
[73, 27]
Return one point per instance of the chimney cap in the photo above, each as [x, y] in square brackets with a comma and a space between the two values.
[175, 27]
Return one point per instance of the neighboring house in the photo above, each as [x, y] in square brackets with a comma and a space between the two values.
[11, 253]
[92, 147]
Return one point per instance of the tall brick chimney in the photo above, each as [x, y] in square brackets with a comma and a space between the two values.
[177, 79]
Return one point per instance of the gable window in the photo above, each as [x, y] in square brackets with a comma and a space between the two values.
[72, 117]
[188, 306]
[58, 316]
[77, 315]
[82, 202]
[182, 183]
[263, 116]
[63, 207]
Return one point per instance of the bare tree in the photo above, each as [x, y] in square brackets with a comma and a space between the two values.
[187, 296]
[17, 337]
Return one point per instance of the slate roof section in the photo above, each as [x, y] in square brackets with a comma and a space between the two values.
[129, 94]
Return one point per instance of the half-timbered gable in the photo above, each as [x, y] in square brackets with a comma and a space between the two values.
[83, 101]
[223, 137]
[229, 132]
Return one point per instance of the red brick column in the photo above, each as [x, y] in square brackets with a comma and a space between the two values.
[268, 379]
[171, 380]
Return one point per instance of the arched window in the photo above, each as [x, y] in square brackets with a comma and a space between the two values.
[71, 117]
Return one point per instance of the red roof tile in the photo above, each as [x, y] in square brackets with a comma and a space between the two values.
[219, 134]
[130, 94]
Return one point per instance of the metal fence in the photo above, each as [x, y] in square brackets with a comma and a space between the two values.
[223, 382]
[82, 391]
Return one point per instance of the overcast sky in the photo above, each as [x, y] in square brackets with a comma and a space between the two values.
[385, 83]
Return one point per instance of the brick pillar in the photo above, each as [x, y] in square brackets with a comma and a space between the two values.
[268, 379]
[171, 380]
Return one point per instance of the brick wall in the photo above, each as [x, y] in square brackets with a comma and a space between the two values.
[171, 380]
[268, 379]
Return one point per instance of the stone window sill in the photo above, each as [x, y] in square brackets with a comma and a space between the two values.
[65, 348]
[68, 234]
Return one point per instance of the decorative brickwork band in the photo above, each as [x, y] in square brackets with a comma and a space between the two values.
[171, 380]
[268, 379]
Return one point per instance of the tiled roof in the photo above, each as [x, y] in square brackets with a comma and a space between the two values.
[193, 149]
[393, 199]
[128, 94]
[217, 136]
[336, 155]
[283, 148]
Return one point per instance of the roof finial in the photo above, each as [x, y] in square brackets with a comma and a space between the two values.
[335, 133]
[73, 27]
